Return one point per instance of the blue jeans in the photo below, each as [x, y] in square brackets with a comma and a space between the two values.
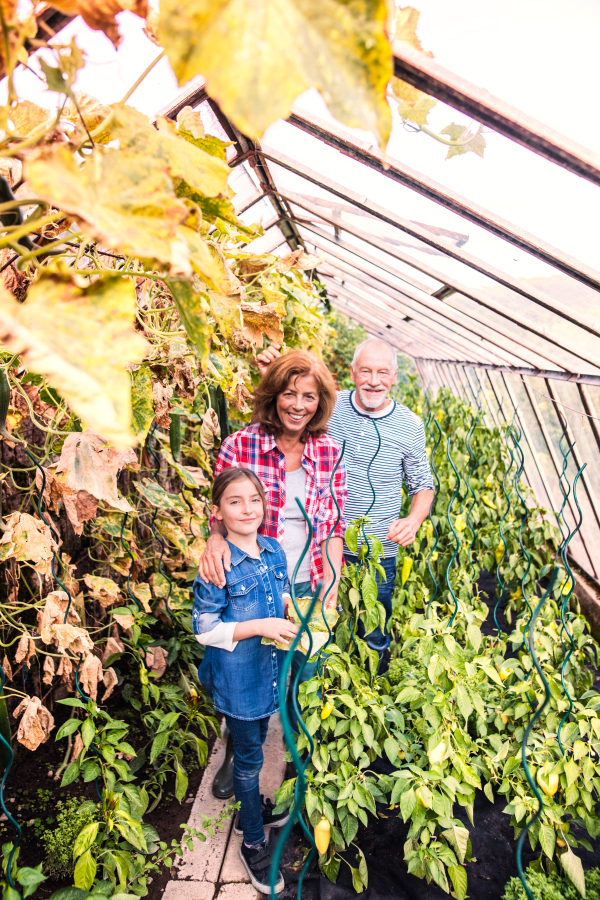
[248, 737]
[377, 639]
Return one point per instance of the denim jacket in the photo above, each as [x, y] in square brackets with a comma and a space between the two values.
[243, 682]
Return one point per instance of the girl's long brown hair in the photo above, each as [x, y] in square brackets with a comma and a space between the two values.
[279, 374]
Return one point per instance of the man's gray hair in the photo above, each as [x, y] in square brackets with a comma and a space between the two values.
[392, 350]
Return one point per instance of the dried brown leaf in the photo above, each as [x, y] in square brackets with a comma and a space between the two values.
[35, 726]
[48, 670]
[159, 662]
[7, 668]
[113, 645]
[101, 14]
[28, 539]
[90, 675]
[104, 590]
[110, 681]
[210, 429]
[68, 637]
[25, 649]
[162, 394]
[53, 613]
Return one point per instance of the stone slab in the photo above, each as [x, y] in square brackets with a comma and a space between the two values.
[239, 892]
[204, 862]
[189, 890]
[271, 778]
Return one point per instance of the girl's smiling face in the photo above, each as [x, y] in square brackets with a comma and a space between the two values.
[241, 507]
[297, 404]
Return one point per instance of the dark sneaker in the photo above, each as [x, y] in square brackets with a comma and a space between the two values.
[258, 865]
[270, 819]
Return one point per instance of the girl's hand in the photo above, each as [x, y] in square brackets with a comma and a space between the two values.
[279, 630]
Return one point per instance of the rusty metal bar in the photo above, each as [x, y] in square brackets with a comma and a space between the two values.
[364, 152]
[534, 373]
[515, 284]
[425, 74]
[389, 334]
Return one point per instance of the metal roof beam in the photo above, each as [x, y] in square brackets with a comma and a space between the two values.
[493, 338]
[427, 75]
[366, 153]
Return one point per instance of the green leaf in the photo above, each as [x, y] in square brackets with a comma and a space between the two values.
[458, 838]
[458, 876]
[339, 48]
[142, 403]
[408, 801]
[88, 731]
[67, 728]
[418, 111]
[159, 744]
[351, 538]
[85, 839]
[464, 142]
[391, 747]
[85, 871]
[30, 879]
[181, 782]
[69, 893]
[192, 309]
[547, 837]
[488, 791]
[474, 635]
[464, 703]
[571, 772]
[573, 869]
[70, 773]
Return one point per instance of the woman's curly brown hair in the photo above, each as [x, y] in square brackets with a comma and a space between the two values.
[278, 376]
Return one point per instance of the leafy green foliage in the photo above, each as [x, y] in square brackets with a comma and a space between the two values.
[59, 841]
[552, 887]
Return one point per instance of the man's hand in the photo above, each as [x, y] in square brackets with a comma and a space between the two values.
[280, 630]
[215, 560]
[266, 357]
[403, 531]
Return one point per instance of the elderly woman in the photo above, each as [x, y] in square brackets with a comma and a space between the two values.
[288, 448]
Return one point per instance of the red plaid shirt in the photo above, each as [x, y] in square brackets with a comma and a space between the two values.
[252, 448]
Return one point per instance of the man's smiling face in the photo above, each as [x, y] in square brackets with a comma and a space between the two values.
[374, 373]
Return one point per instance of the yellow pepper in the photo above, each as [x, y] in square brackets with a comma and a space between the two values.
[460, 523]
[489, 481]
[499, 553]
[550, 786]
[437, 754]
[488, 502]
[407, 565]
[421, 799]
[327, 710]
[504, 673]
[429, 528]
[322, 835]
[434, 556]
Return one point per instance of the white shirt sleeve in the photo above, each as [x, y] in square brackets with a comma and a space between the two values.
[221, 636]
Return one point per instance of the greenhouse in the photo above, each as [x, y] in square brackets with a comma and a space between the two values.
[299, 450]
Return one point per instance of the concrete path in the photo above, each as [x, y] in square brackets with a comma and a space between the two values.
[213, 870]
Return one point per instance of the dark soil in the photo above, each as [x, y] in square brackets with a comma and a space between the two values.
[31, 795]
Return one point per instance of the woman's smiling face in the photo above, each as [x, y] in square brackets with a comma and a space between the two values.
[297, 404]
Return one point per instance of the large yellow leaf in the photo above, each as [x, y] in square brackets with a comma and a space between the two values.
[414, 104]
[258, 55]
[80, 339]
[204, 173]
[125, 200]
[100, 14]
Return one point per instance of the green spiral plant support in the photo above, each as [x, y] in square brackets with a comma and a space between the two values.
[126, 547]
[372, 504]
[515, 436]
[536, 715]
[472, 467]
[288, 733]
[508, 499]
[456, 538]
[156, 536]
[38, 501]
[10, 818]
[436, 534]
[331, 530]
[565, 532]
[566, 598]
[463, 477]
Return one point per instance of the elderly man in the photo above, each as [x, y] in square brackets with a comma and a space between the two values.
[385, 445]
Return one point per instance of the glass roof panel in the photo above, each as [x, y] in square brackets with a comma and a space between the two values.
[584, 347]
[270, 240]
[470, 38]
[453, 234]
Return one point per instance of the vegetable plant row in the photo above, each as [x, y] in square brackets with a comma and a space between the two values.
[451, 713]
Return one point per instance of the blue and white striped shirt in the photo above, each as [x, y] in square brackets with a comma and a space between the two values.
[401, 457]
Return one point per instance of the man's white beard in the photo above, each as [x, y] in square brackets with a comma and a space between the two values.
[370, 402]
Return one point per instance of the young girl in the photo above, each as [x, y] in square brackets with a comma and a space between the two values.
[241, 672]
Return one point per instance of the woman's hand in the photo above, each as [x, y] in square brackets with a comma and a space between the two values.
[215, 560]
[266, 357]
[280, 630]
